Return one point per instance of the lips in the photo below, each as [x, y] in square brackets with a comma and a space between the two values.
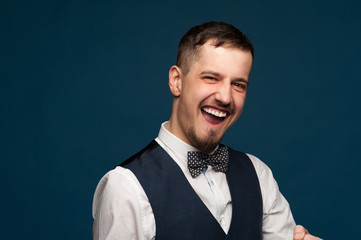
[214, 116]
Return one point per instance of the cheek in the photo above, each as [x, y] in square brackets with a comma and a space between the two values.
[195, 97]
[239, 105]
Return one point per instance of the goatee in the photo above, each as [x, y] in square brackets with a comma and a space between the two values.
[206, 145]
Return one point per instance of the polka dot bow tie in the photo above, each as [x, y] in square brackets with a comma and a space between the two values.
[198, 161]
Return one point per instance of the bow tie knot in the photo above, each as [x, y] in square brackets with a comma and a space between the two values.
[198, 161]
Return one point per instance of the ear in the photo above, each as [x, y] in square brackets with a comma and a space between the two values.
[175, 80]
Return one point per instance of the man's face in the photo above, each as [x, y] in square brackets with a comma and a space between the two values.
[212, 96]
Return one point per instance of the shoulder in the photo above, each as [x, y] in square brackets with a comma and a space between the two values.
[265, 176]
[135, 160]
[264, 173]
[121, 209]
[261, 168]
[116, 186]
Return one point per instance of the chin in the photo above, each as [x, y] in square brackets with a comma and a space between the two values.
[206, 142]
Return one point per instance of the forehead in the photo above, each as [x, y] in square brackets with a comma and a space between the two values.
[224, 59]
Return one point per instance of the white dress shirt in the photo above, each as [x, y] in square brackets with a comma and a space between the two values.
[121, 209]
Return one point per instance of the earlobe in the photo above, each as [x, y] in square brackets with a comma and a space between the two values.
[175, 82]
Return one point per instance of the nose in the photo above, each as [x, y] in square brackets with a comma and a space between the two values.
[224, 94]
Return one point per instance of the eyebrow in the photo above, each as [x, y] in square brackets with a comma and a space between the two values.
[220, 76]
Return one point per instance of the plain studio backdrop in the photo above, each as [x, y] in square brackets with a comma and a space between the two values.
[84, 85]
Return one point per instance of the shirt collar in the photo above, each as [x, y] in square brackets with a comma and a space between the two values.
[176, 145]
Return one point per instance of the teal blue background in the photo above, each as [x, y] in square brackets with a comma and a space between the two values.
[84, 86]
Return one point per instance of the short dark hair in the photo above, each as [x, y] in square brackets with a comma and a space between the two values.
[219, 33]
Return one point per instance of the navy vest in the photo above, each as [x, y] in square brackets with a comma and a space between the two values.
[179, 212]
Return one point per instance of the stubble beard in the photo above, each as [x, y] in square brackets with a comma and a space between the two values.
[206, 145]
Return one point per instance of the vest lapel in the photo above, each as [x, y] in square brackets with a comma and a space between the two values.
[247, 205]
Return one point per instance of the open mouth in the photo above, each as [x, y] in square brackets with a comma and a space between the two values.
[214, 116]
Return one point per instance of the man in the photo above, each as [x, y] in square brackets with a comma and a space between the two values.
[185, 184]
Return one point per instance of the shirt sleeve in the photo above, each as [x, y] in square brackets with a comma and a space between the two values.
[278, 222]
[121, 209]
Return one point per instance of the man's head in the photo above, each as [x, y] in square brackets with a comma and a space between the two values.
[209, 83]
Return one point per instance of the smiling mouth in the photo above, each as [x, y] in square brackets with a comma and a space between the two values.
[214, 116]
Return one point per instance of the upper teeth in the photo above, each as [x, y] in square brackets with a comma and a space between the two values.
[215, 112]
